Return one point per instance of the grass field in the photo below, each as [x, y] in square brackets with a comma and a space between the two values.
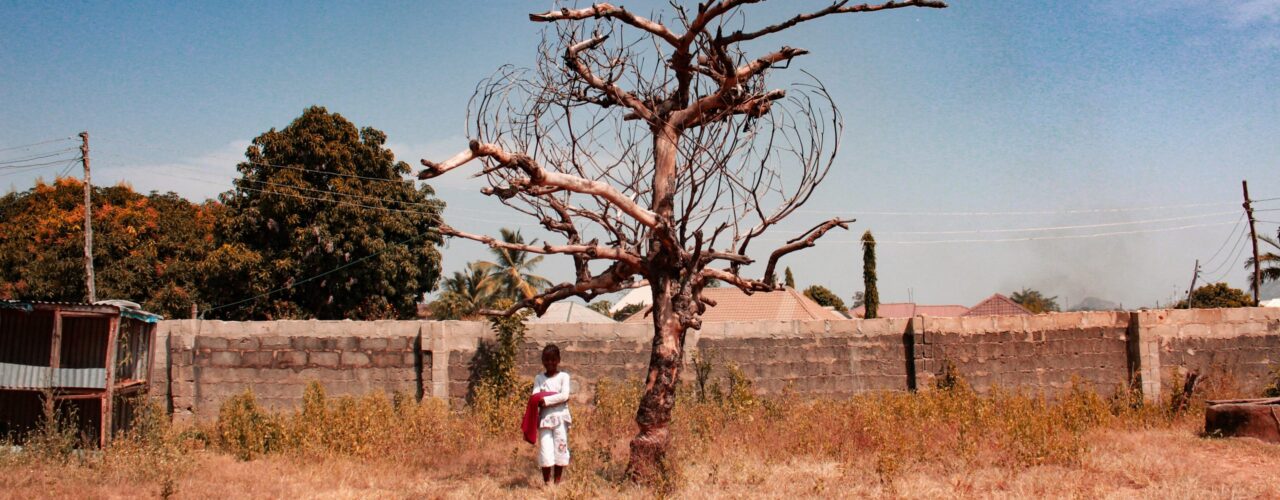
[943, 442]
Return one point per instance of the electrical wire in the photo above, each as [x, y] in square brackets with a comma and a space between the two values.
[38, 156]
[1239, 225]
[1234, 250]
[341, 202]
[1055, 228]
[354, 176]
[54, 162]
[1234, 258]
[321, 275]
[1030, 212]
[34, 144]
[1032, 238]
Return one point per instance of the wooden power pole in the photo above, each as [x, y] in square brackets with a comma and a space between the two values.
[1193, 283]
[91, 296]
[1253, 235]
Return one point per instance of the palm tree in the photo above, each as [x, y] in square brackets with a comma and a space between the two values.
[512, 269]
[466, 293]
[1270, 262]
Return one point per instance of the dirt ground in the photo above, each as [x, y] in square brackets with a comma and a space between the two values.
[1162, 463]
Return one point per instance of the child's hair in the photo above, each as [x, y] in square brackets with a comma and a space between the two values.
[552, 350]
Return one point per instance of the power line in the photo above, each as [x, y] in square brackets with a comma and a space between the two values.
[341, 202]
[1054, 228]
[1033, 238]
[354, 176]
[1234, 250]
[24, 146]
[37, 156]
[15, 170]
[1030, 212]
[323, 274]
[1227, 271]
[32, 165]
[1226, 241]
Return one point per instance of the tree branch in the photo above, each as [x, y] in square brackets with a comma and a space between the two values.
[615, 278]
[589, 251]
[839, 7]
[539, 176]
[805, 240]
[613, 91]
[610, 11]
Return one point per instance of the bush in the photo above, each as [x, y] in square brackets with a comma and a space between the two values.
[244, 430]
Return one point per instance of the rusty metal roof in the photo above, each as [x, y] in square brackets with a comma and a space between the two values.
[112, 307]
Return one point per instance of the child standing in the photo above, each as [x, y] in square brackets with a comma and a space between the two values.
[554, 418]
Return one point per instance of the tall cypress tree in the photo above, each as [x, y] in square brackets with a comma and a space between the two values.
[871, 295]
[790, 280]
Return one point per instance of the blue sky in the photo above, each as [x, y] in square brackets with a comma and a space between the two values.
[988, 106]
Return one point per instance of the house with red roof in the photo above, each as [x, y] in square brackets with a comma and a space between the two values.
[997, 305]
[732, 304]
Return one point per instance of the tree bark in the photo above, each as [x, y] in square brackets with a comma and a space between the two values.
[672, 305]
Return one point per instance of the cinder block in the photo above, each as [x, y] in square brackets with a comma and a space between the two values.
[323, 359]
[291, 359]
[243, 343]
[274, 342]
[206, 342]
[257, 359]
[307, 343]
[356, 359]
[373, 344]
[224, 358]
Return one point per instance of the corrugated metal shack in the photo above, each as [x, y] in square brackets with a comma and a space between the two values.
[93, 359]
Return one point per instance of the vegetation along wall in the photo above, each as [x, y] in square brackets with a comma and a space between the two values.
[201, 363]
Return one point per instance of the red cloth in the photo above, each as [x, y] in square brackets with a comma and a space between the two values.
[529, 424]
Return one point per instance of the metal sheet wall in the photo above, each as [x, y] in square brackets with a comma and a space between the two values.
[84, 342]
[25, 337]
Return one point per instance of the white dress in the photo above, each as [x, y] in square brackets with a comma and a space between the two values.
[554, 419]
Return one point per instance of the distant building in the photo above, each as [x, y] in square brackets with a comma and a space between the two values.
[570, 312]
[997, 305]
[734, 305]
[910, 310]
[642, 296]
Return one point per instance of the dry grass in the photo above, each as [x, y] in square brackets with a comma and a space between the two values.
[949, 442]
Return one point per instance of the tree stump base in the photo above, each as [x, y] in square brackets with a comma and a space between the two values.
[1255, 418]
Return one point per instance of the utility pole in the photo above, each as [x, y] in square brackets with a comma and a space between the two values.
[1193, 283]
[92, 295]
[1253, 235]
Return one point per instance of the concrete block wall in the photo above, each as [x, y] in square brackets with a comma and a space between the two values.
[1238, 346]
[209, 361]
[1042, 353]
[201, 363]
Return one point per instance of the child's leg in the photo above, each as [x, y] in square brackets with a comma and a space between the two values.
[546, 475]
[546, 453]
[561, 438]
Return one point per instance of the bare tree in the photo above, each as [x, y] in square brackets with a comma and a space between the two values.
[660, 156]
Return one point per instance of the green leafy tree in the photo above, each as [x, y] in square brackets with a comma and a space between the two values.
[789, 280]
[147, 248]
[601, 306]
[1217, 295]
[322, 224]
[1270, 261]
[824, 297]
[512, 269]
[466, 294]
[871, 296]
[1035, 301]
[859, 299]
[626, 311]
